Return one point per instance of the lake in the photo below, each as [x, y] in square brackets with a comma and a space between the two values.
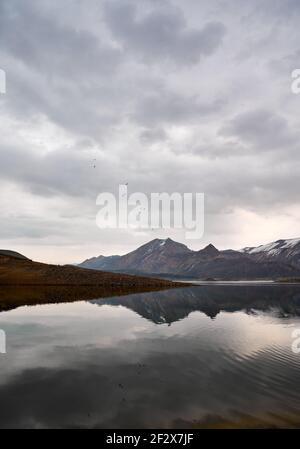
[211, 356]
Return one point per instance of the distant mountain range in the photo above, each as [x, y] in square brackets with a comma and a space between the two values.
[168, 258]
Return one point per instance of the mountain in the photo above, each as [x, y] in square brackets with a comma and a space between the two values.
[157, 256]
[20, 271]
[287, 251]
[170, 258]
[99, 263]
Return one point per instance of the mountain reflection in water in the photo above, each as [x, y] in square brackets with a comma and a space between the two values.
[154, 360]
[174, 305]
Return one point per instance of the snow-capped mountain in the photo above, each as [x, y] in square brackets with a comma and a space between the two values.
[167, 257]
[284, 250]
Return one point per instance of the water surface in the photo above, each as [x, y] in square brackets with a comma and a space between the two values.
[209, 356]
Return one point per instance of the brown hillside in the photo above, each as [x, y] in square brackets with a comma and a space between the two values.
[20, 272]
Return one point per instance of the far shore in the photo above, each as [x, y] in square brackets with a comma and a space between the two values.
[260, 282]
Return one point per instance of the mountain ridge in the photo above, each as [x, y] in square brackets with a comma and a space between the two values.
[166, 256]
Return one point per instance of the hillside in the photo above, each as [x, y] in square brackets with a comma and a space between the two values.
[14, 271]
[14, 254]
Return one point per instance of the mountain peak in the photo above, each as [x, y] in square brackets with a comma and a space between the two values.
[166, 256]
[164, 244]
[209, 250]
[210, 246]
[169, 241]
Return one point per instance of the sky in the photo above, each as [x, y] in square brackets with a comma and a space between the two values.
[165, 95]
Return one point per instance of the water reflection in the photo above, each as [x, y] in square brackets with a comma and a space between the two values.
[174, 305]
[116, 363]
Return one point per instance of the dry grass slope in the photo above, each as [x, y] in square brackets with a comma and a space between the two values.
[25, 272]
[26, 282]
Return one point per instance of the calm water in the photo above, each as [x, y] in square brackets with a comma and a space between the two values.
[209, 356]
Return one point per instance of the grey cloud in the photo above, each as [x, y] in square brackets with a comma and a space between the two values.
[165, 106]
[32, 36]
[152, 135]
[279, 8]
[225, 150]
[57, 70]
[285, 65]
[62, 172]
[32, 228]
[122, 76]
[263, 128]
[162, 35]
[71, 76]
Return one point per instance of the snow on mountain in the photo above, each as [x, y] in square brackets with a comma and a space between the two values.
[273, 248]
[271, 261]
[287, 251]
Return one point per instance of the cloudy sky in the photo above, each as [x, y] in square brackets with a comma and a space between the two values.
[166, 95]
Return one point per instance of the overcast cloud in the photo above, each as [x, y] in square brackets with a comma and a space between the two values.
[166, 95]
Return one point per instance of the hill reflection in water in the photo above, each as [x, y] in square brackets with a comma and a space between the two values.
[173, 305]
[224, 360]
